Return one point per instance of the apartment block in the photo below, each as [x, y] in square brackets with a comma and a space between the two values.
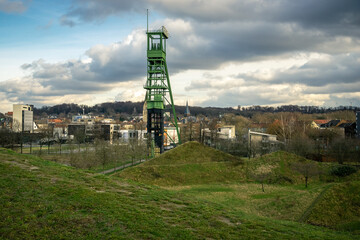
[23, 118]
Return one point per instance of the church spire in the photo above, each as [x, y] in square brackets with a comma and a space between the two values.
[187, 110]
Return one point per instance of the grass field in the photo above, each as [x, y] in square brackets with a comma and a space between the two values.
[232, 183]
[194, 164]
[278, 202]
[41, 199]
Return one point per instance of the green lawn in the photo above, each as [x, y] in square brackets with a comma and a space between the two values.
[194, 164]
[278, 201]
[41, 199]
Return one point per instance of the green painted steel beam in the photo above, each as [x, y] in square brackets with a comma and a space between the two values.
[172, 103]
[158, 86]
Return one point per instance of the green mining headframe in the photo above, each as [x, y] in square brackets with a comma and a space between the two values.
[158, 89]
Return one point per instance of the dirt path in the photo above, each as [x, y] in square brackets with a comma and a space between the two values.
[111, 170]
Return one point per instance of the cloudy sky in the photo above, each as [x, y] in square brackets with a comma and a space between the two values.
[221, 52]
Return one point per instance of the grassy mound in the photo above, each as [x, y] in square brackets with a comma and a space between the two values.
[193, 164]
[279, 166]
[188, 164]
[192, 152]
[44, 200]
[339, 208]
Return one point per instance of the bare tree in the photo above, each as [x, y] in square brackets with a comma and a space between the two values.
[301, 145]
[307, 169]
[101, 152]
[59, 140]
[262, 174]
[79, 137]
[286, 126]
[341, 149]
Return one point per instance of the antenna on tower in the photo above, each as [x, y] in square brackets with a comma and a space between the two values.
[147, 20]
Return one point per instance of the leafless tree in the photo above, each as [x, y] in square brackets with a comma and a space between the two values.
[341, 149]
[307, 169]
[262, 174]
[301, 145]
[79, 137]
[101, 152]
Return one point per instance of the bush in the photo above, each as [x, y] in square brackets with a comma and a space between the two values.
[343, 171]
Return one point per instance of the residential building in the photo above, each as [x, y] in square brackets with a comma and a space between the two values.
[317, 123]
[125, 135]
[107, 132]
[91, 131]
[262, 143]
[23, 118]
[83, 119]
[331, 123]
[348, 129]
[225, 133]
[76, 129]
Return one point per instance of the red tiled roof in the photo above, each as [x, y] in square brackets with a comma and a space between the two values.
[55, 121]
[321, 121]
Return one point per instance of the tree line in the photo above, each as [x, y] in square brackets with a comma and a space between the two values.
[125, 109]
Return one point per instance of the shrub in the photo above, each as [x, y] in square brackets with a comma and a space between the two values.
[342, 171]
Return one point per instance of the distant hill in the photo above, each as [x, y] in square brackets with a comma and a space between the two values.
[113, 108]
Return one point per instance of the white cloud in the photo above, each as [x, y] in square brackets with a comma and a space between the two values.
[12, 6]
[224, 53]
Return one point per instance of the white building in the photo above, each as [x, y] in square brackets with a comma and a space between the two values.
[23, 118]
[170, 136]
[226, 132]
[130, 134]
[262, 143]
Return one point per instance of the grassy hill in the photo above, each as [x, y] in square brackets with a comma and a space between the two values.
[280, 167]
[190, 163]
[339, 208]
[44, 200]
[193, 163]
[207, 174]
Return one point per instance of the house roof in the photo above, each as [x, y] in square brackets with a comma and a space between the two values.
[346, 124]
[321, 121]
[56, 120]
[331, 123]
[342, 122]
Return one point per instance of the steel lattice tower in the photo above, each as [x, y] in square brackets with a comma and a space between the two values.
[158, 90]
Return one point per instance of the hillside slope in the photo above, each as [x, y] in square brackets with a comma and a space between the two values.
[338, 208]
[193, 163]
[188, 164]
[43, 200]
[279, 165]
